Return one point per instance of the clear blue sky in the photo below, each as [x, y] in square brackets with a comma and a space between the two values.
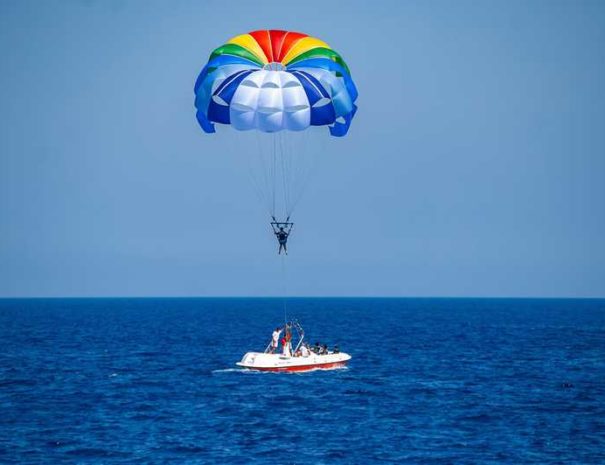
[475, 165]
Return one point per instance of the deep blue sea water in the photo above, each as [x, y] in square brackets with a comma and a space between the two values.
[432, 381]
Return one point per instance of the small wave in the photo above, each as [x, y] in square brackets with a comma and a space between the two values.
[229, 370]
[286, 372]
[150, 354]
[18, 382]
[249, 371]
[303, 372]
[90, 452]
[188, 449]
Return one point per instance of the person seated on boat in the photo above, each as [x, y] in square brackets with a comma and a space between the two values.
[316, 348]
[324, 350]
[304, 350]
[336, 350]
[275, 340]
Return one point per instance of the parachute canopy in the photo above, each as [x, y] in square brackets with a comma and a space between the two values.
[274, 80]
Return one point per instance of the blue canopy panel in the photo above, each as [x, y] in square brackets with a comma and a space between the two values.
[342, 123]
[322, 111]
[341, 100]
[217, 76]
[206, 125]
[329, 65]
[218, 108]
[222, 60]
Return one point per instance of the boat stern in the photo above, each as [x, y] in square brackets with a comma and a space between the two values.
[249, 360]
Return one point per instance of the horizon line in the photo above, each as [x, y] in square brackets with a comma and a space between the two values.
[141, 297]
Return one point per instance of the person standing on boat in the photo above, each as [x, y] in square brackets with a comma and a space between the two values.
[275, 339]
[287, 342]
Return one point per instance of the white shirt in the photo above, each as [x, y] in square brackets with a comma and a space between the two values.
[276, 336]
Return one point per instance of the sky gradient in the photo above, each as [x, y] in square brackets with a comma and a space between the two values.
[475, 165]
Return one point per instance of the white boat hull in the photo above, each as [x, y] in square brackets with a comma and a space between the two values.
[278, 362]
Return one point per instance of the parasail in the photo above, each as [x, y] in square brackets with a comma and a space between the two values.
[273, 80]
[276, 83]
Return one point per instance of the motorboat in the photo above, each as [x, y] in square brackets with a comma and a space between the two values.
[302, 358]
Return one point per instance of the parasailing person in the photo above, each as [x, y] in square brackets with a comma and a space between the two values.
[282, 232]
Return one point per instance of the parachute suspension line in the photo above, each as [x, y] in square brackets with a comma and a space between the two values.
[291, 167]
[274, 172]
[285, 287]
[285, 175]
[282, 173]
[300, 170]
[259, 180]
[304, 172]
[260, 172]
[297, 159]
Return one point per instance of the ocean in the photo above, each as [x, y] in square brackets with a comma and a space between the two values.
[432, 381]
